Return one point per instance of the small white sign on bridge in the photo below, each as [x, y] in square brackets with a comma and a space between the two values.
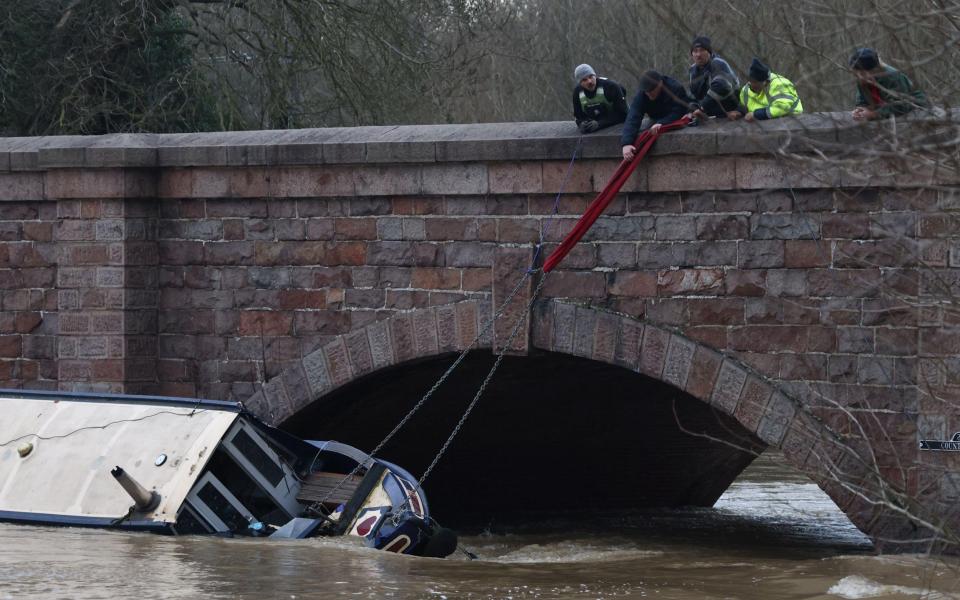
[952, 444]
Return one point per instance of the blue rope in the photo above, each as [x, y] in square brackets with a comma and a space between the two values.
[545, 227]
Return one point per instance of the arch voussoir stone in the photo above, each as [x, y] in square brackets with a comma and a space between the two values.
[666, 356]
[765, 410]
[400, 338]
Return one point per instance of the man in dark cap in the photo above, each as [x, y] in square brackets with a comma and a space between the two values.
[882, 91]
[767, 95]
[598, 102]
[706, 67]
[663, 98]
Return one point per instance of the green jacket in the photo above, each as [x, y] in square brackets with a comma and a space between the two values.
[898, 95]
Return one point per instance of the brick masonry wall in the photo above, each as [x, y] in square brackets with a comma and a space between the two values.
[761, 285]
[28, 297]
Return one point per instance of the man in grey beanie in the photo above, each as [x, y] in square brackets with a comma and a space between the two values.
[598, 102]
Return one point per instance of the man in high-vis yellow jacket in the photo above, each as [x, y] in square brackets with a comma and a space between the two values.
[767, 95]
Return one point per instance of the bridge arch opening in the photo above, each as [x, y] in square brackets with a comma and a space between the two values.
[552, 432]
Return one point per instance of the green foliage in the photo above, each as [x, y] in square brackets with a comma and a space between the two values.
[97, 66]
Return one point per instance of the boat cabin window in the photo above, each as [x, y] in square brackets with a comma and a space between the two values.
[222, 507]
[252, 451]
[189, 523]
[253, 497]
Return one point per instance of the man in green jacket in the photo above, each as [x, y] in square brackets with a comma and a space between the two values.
[882, 91]
[767, 95]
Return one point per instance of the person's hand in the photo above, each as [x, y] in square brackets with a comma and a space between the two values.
[589, 126]
[655, 128]
[699, 114]
[862, 113]
[749, 118]
[733, 115]
[628, 152]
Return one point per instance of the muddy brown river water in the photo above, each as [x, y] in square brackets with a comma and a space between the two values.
[772, 535]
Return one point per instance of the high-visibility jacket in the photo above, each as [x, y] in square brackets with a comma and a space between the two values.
[597, 104]
[778, 98]
[606, 104]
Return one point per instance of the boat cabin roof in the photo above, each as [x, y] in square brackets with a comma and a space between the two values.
[73, 440]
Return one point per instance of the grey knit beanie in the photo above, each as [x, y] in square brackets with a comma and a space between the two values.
[582, 71]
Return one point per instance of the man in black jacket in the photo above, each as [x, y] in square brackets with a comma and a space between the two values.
[663, 98]
[706, 69]
[598, 102]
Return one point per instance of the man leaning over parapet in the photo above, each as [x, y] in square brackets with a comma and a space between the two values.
[712, 81]
[663, 98]
[598, 102]
[882, 91]
[767, 95]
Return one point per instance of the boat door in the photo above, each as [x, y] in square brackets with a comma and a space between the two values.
[218, 506]
[245, 482]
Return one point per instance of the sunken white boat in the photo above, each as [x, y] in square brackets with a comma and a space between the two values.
[185, 466]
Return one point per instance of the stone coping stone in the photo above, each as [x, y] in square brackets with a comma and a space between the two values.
[547, 140]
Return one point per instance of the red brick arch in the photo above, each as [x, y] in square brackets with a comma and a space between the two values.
[556, 327]
[718, 380]
[836, 463]
[656, 352]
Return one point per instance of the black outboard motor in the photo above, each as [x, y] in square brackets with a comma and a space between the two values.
[411, 534]
[442, 543]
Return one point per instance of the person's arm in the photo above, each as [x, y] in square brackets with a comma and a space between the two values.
[785, 100]
[900, 97]
[618, 113]
[694, 76]
[709, 107]
[631, 126]
[678, 101]
[861, 97]
[578, 114]
[677, 111]
[726, 71]
[741, 104]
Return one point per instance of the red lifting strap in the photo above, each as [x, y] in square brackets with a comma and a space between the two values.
[643, 144]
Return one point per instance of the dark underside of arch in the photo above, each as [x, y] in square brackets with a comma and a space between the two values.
[551, 432]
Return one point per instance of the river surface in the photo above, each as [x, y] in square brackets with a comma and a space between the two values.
[772, 535]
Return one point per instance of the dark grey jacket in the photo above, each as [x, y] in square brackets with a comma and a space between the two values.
[700, 77]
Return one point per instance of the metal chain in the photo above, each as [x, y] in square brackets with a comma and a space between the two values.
[315, 507]
[486, 381]
[476, 398]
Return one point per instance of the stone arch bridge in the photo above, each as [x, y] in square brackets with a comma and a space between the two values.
[789, 284]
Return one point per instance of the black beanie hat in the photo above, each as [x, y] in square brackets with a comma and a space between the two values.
[758, 70]
[702, 41]
[864, 59]
[650, 80]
